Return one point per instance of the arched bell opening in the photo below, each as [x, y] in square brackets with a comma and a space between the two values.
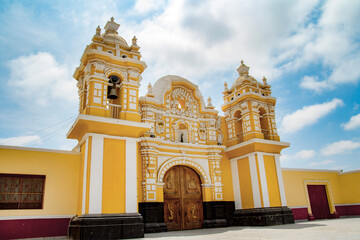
[264, 123]
[183, 204]
[113, 96]
[239, 126]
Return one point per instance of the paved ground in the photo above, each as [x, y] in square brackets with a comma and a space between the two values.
[344, 228]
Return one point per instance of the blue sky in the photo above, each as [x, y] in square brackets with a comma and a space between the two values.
[308, 50]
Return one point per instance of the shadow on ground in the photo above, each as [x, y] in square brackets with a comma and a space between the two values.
[205, 231]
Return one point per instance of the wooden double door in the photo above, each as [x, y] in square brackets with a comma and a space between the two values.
[183, 206]
[318, 201]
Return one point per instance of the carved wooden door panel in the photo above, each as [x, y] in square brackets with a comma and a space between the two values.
[182, 199]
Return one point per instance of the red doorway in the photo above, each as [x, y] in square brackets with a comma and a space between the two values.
[318, 201]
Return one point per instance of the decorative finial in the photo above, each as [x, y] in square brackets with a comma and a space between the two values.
[134, 40]
[243, 70]
[112, 19]
[98, 30]
[149, 93]
[226, 87]
[264, 81]
[209, 104]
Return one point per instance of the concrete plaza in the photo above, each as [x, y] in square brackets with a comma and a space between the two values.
[344, 228]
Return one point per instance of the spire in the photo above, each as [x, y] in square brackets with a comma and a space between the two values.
[209, 104]
[98, 30]
[264, 81]
[226, 87]
[243, 69]
[134, 44]
[149, 92]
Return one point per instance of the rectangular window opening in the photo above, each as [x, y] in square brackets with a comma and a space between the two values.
[18, 191]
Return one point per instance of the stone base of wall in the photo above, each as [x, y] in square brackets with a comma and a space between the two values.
[262, 216]
[106, 226]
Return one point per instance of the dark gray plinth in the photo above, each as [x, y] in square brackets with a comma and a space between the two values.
[106, 226]
[262, 216]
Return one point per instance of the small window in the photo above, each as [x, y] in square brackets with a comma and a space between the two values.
[263, 94]
[110, 52]
[256, 91]
[238, 94]
[232, 98]
[124, 56]
[21, 191]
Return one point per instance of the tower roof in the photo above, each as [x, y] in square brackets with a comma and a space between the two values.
[243, 71]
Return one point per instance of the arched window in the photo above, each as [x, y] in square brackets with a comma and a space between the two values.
[238, 126]
[264, 123]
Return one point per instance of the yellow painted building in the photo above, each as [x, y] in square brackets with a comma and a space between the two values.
[163, 161]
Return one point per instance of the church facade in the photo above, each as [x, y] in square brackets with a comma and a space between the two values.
[164, 161]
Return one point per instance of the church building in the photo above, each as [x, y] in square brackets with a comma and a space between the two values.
[164, 161]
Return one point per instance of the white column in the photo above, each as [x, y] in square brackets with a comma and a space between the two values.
[254, 181]
[280, 180]
[85, 176]
[264, 187]
[96, 174]
[131, 175]
[236, 184]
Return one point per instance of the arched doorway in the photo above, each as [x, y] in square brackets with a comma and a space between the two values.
[183, 207]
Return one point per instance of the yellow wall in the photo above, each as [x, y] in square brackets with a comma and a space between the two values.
[228, 193]
[295, 187]
[350, 188]
[61, 183]
[272, 181]
[113, 198]
[247, 200]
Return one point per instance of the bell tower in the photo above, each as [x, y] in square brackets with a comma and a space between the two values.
[253, 148]
[109, 76]
[108, 128]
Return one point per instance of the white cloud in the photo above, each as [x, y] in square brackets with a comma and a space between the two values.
[308, 115]
[339, 147]
[312, 83]
[301, 155]
[325, 162]
[305, 154]
[330, 41]
[195, 38]
[145, 6]
[353, 123]
[38, 79]
[20, 141]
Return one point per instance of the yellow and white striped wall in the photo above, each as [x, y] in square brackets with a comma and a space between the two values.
[257, 181]
[108, 181]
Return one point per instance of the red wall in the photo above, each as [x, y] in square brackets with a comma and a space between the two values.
[33, 228]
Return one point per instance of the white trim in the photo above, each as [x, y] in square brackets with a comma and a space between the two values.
[194, 147]
[131, 175]
[309, 170]
[280, 180]
[349, 172]
[107, 120]
[254, 181]
[347, 204]
[257, 140]
[85, 176]
[35, 217]
[298, 207]
[105, 136]
[96, 174]
[236, 184]
[264, 187]
[39, 149]
[249, 154]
